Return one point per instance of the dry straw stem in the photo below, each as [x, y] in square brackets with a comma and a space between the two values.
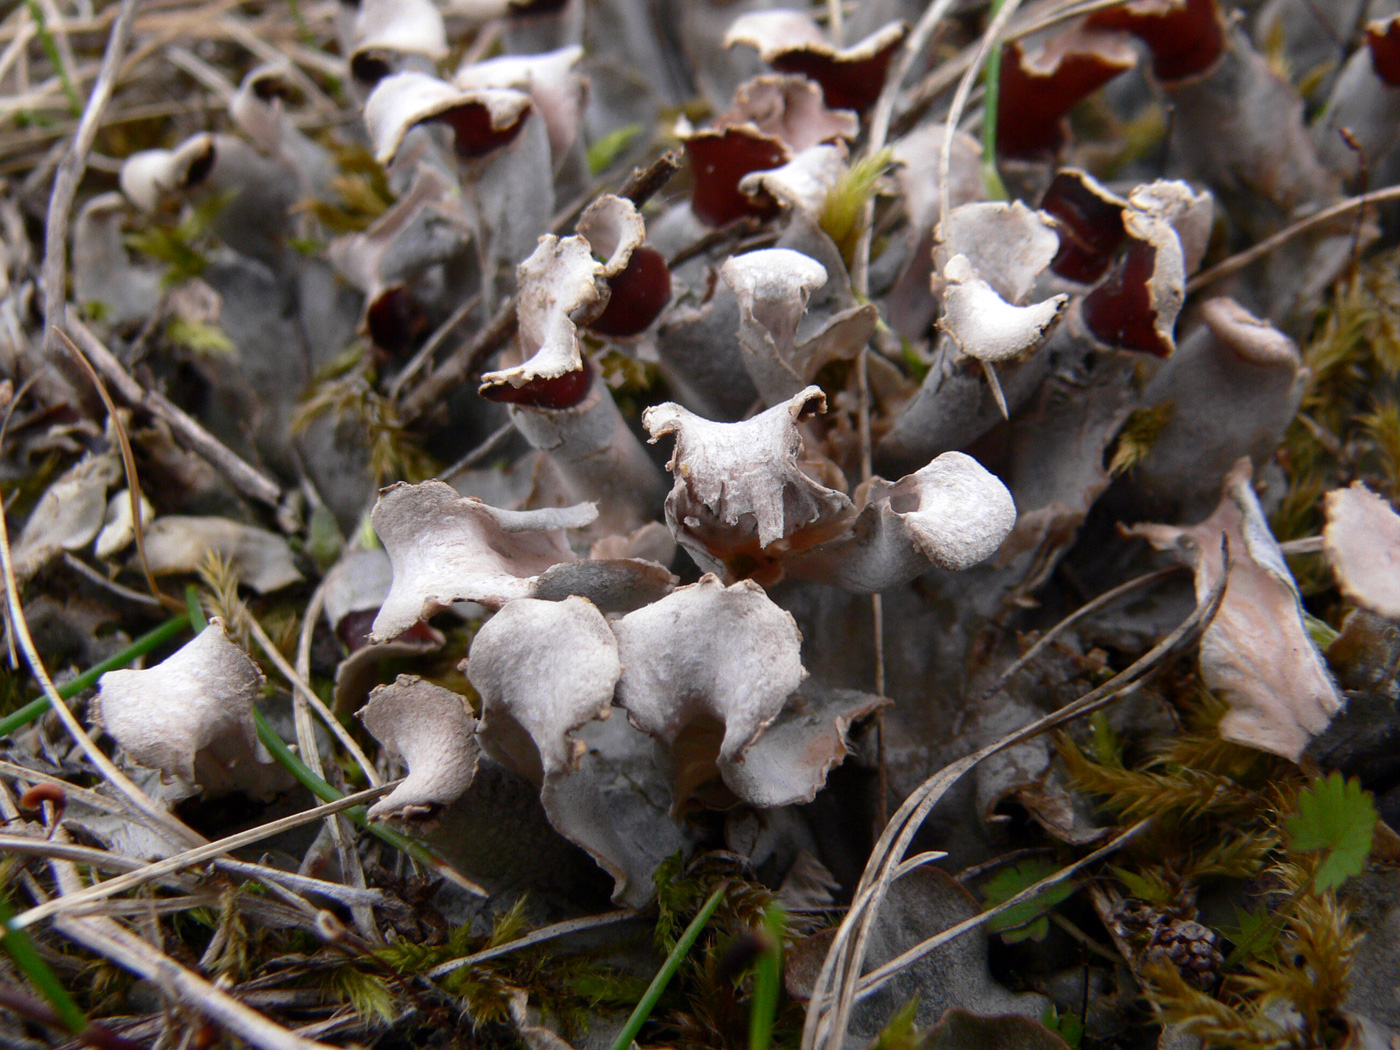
[304, 691]
[162, 819]
[947, 73]
[188, 858]
[879, 132]
[306, 739]
[248, 480]
[992, 37]
[70, 173]
[872, 981]
[837, 986]
[104, 860]
[914, 46]
[133, 481]
[97, 859]
[540, 936]
[1107, 598]
[106, 938]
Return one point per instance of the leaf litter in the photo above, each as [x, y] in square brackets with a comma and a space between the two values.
[382, 327]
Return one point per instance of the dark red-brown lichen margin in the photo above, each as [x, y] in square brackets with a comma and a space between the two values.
[555, 392]
[636, 296]
[1186, 37]
[846, 83]
[1036, 98]
[396, 320]
[1120, 312]
[1383, 40]
[473, 135]
[719, 159]
[1089, 223]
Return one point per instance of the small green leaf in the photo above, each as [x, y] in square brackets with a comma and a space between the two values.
[22, 952]
[200, 337]
[1253, 933]
[323, 538]
[668, 970]
[1026, 920]
[768, 980]
[1147, 886]
[1067, 1026]
[607, 149]
[1107, 750]
[900, 1033]
[916, 365]
[1322, 633]
[1337, 818]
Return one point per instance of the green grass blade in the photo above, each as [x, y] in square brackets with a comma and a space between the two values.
[46, 40]
[143, 645]
[196, 609]
[668, 970]
[324, 791]
[21, 949]
[991, 177]
[767, 980]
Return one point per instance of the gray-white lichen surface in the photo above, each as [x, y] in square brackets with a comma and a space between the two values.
[936, 410]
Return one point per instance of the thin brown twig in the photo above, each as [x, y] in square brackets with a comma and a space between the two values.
[732, 231]
[460, 365]
[424, 354]
[464, 362]
[247, 479]
[1236, 263]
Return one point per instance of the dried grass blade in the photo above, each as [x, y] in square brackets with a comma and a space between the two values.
[143, 645]
[872, 981]
[130, 952]
[20, 624]
[540, 936]
[191, 857]
[847, 952]
[70, 173]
